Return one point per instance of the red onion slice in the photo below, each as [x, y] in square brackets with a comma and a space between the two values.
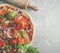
[11, 32]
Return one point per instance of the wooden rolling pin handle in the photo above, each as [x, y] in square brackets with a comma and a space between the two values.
[22, 3]
[35, 8]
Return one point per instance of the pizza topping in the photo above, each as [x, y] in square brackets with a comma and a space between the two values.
[4, 25]
[23, 34]
[1, 43]
[3, 12]
[11, 32]
[15, 29]
[14, 41]
[10, 15]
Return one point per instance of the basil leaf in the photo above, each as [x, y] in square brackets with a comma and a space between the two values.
[19, 46]
[10, 15]
[32, 50]
[26, 46]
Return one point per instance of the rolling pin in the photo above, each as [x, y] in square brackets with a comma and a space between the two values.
[22, 4]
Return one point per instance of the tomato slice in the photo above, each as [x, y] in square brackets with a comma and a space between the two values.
[4, 25]
[14, 41]
[1, 43]
[3, 12]
[0, 20]
[21, 40]
[4, 44]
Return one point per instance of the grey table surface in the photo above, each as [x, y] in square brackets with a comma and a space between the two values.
[47, 25]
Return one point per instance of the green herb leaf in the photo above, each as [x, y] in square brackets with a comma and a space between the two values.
[1, 16]
[4, 19]
[23, 34]
[7, 48]
[32, 50]
[10, 15]
[19, 46]
[26, 46]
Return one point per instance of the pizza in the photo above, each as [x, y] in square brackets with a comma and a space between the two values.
[16, 28]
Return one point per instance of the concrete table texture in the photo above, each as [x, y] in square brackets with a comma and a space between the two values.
[47, 25]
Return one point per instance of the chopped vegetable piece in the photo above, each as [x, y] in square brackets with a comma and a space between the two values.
[10, 32]
[14, 41]
[26, 46]
[19, 46]
[1, 43]
[21, 41]
[0, 20]
[32, 50]
[4, 19]
[3, 12]
[4, 25]
[10, 15]
[23, 34]
[7, 48]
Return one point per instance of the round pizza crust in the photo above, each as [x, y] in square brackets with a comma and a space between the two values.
[24, 13]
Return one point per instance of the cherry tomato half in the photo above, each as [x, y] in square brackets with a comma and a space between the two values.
[1, 43]
[14, 41]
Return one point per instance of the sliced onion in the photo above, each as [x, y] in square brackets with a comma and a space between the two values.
[5, 30]
[11, 33]
[1, 33]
